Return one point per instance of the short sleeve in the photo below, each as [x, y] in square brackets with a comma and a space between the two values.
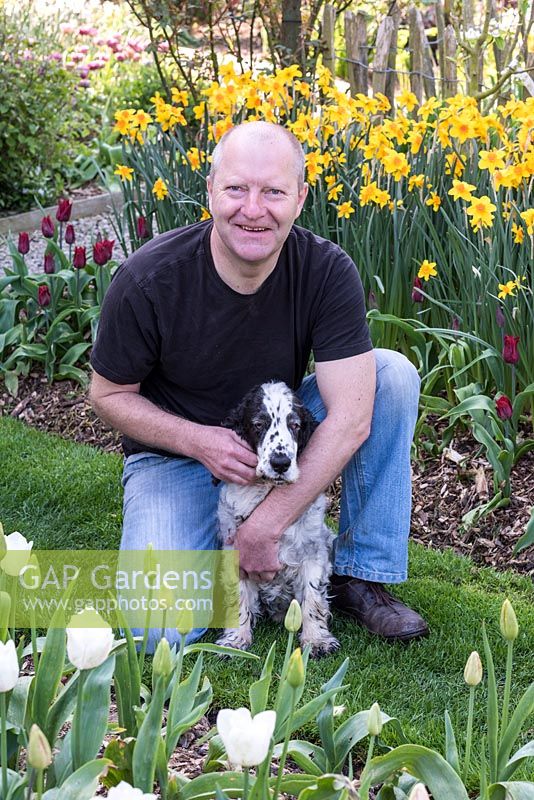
[340, 327]
[127, 345]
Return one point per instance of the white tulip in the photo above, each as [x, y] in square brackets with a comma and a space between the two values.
[89, 641]
[123, 791]
[246, 738]
[18, 552]
[419, 793]
[9, 666]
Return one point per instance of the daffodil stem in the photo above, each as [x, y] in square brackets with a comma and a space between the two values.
[246, 777]
[283, 754]
[507, 687]
[3, 741]
[469, 732]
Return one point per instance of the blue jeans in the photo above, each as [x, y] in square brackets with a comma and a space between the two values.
[172, 502]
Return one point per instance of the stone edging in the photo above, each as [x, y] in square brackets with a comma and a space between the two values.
[85, 207]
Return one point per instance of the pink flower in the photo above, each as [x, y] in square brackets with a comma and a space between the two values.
[417, 297]
[49, 263]
[102, 251]
[142, 228]
[43, 296]
[64, 209]
[85, 30]
[23, 243]
[80, 259]
[70, 235]
[47, 227]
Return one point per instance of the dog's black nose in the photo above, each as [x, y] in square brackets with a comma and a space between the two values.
[279, 462]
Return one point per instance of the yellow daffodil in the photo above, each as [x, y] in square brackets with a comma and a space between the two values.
[335, 191]
[367, 193]
[395, 164]
[481, 212]
[427, 270]
[518, 233]
[141, 119]
[407, 100]
[205, 215]
[461, 190]
[179, 98]
[416, 182]
[160, 189]
[491, 159]
[528, 217]
[345, 210]
[434, 200]
[124, 173]
[507, 289]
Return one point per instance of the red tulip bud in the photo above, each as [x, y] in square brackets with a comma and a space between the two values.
[44, 297]
[70, 236]
[47, 227]
[80, 258]
[63, 212]
[417, 297]
[371, 300]
[102, 251]
[504, 407]
[509, 353]
[142, 229]
[24, 243]
[455, 324]
[49, 263]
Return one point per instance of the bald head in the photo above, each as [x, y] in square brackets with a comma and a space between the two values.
[261, 134]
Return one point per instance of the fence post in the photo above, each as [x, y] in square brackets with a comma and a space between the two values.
[356, 47]
[422, 65]
[329, 52]
[380, 61]
[450, 73]
[440, 24]
[391, 75]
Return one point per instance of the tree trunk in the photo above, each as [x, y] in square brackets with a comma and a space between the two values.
[291, 32]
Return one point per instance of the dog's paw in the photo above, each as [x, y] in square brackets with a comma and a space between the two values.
[322, 647]
[235, 639]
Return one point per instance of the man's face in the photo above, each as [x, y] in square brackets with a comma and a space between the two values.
[254, 199]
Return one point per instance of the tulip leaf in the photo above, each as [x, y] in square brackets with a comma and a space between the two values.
[221, 650]
[327, 787]
[523, 710]
[350, 732]
[307, 712]
[61, 708]
[514, 790]
[90, 721]
[259, 691]
[527, 539]
[202, 703]
[204, 787]
[421, 762]
[82, 784]
[301, 753]
[527, 751]
[451, 749]
[492, 710]
[146, 747]
[48, 677]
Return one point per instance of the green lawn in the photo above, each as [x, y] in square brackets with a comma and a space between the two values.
[64, 495]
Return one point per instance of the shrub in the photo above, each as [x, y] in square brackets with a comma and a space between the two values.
[35, 123]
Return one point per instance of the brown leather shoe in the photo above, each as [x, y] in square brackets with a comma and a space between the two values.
[376, 609]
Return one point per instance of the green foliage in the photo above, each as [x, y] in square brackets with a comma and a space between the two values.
[36, 120]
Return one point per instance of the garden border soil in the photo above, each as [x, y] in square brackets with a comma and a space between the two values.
[444, 487]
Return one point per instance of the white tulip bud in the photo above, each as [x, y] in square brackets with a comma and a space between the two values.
[374, 720]
[509, 626]
[473, 669]
[293, 619]
[39, 752]
[17, 555]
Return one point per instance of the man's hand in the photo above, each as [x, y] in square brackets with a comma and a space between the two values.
[226, 455]
[258, 550]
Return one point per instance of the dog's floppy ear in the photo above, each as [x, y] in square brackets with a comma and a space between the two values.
[236, 419]
[308, 424]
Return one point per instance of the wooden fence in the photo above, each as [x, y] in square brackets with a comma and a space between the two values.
[433, 66]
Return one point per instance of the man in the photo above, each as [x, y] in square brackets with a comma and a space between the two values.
[195, 318]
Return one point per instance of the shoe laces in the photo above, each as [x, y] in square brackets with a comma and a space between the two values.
[381, 595]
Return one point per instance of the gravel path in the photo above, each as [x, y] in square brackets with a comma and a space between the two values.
[86, 230]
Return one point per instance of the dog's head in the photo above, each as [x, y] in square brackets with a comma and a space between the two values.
[273, 421]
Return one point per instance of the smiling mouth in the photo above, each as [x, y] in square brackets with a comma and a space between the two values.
[249, 229]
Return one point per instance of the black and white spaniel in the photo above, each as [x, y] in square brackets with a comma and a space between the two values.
[273, 421]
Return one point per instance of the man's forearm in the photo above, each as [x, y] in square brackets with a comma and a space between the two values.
[140, 419]
[329, 450]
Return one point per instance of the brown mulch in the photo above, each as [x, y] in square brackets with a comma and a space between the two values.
[445, 486]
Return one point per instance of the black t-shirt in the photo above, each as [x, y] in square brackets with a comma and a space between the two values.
[196, 346]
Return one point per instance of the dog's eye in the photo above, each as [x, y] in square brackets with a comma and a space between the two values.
[258, 426]
[294, 425]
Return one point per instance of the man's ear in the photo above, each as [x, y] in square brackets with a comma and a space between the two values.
[303, 193]
[308, 424]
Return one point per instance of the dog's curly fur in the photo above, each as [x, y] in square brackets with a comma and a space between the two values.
[273, 421]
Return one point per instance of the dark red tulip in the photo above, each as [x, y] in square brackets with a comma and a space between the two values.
[504, 407]
[455, 324]
[417, 297]
[70, 236]
[499, 317]
[49, 263]
[44, 297]
[47, 227]
[142, 228]
[102, 251]
[80, 259]
[509, 352]
[24, 243]
[64, 208]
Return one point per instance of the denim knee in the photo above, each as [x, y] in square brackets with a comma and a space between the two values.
[397, 377]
